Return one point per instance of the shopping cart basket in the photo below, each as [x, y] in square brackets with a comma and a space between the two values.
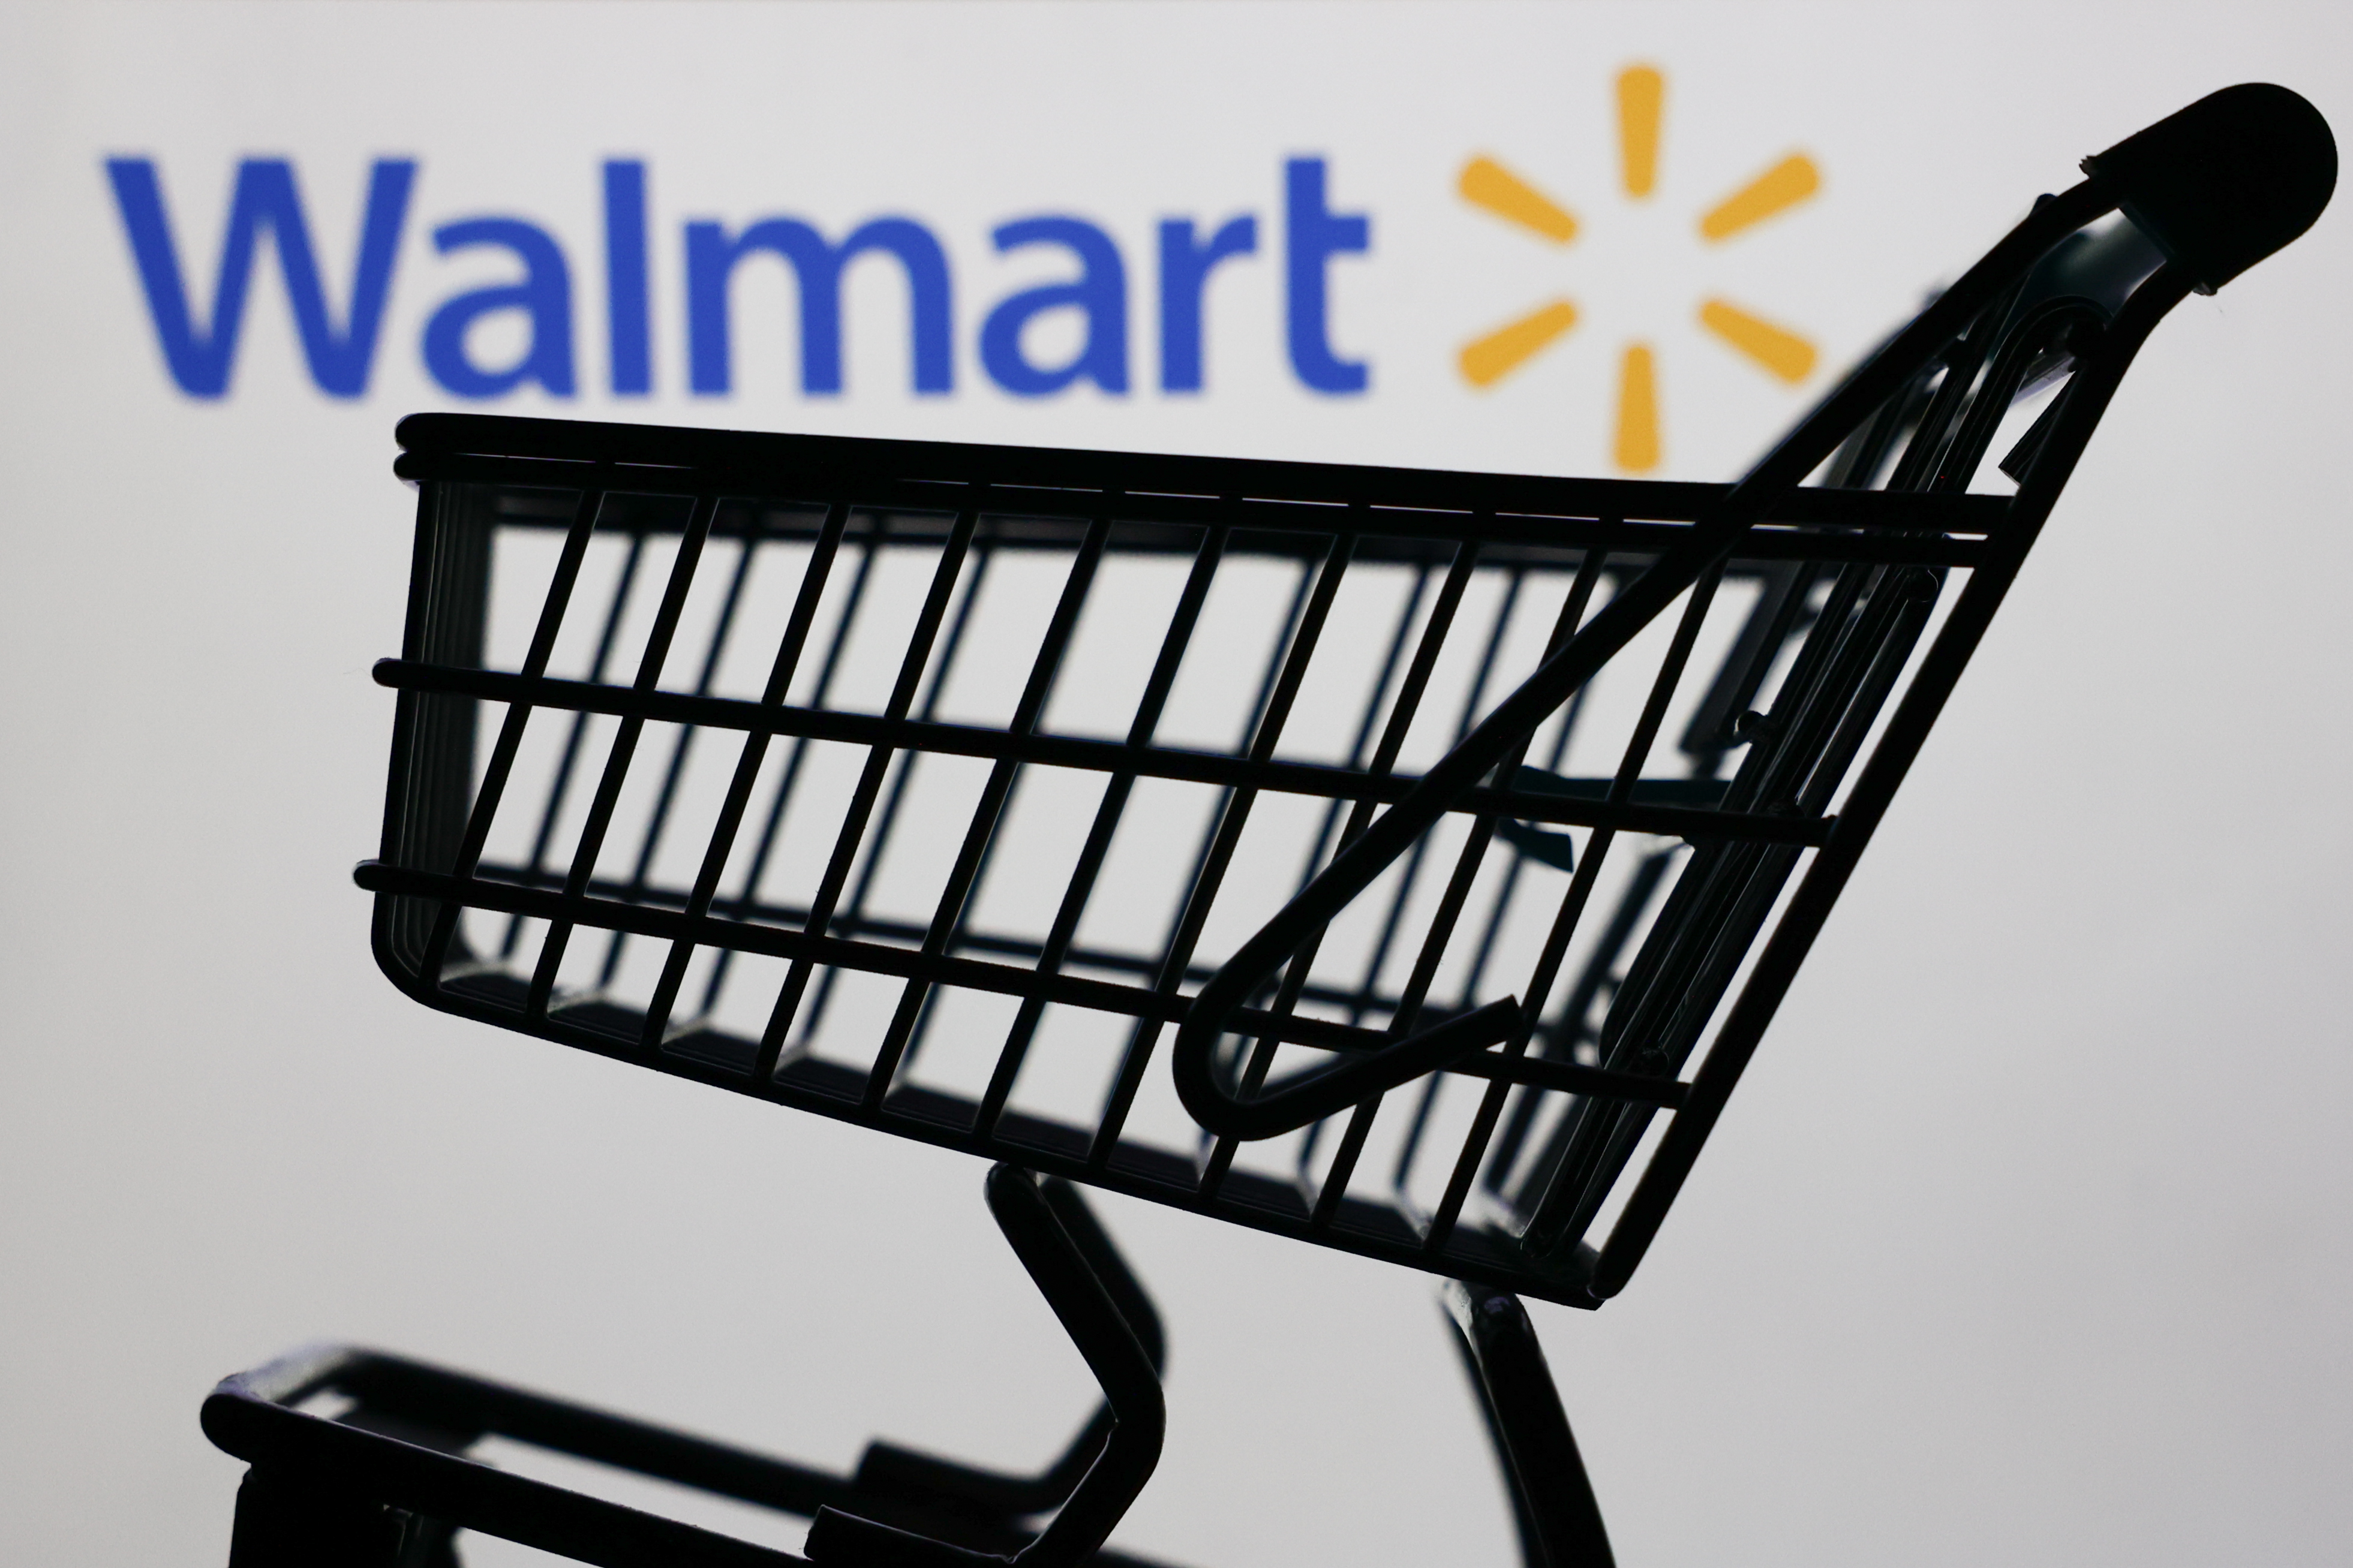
[1452, 837]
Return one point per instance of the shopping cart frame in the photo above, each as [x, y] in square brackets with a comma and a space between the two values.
[388, 1481]
[2213, 189]
[385, 1482]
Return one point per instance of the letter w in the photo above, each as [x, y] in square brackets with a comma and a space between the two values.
[202, 360]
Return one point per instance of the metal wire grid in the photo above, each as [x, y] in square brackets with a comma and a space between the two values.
[949, 779]
[822, 988]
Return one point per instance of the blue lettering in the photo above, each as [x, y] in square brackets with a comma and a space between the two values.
[1100, 291]
[711, 259]
[628, 334]
[544, 295]
[1184, 275]
[200, 359]
[1316, 234]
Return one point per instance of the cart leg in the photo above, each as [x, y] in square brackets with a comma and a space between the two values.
[1105, 1333]
[888, 1469]
[1551, 1501]
[293, 1518]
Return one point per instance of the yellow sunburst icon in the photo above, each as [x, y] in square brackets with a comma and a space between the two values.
[1777, 350]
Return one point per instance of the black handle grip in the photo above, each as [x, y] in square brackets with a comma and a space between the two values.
[2225, 182]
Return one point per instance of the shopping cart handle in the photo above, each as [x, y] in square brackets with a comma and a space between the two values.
[2225, 182]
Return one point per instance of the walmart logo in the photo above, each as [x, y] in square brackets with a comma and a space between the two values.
[1777, 351]
[565, 311]
[467, 344]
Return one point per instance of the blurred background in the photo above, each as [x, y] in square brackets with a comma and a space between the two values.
[2029, 1236]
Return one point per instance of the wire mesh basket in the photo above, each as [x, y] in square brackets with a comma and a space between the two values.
[1451, 836]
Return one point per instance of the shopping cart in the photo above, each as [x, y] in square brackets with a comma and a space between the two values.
[941, 788]
[1456, 834]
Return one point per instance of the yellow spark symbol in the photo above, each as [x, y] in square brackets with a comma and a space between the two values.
[1780, 352]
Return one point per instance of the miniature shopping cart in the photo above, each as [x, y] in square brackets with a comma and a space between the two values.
[1406, 862]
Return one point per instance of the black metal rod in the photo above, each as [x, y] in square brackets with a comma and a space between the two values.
[876, 834]
[966, 870]
[869, 785]
[1114, 1353]
[491, 790]
[1059, 482]
[1056, 946]
[683, 743]
[1005, 980]
[1416, 988]
[576, 735]
[1560, 1522]
[1286, 666]
[624, 744]
[887, 1466]
[748, 761]
[1629, 768]
[1565, 623]
[789, 778]
[1143, 760]
[1366, 997]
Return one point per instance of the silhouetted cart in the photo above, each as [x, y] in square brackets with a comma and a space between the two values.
[1451, 837]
